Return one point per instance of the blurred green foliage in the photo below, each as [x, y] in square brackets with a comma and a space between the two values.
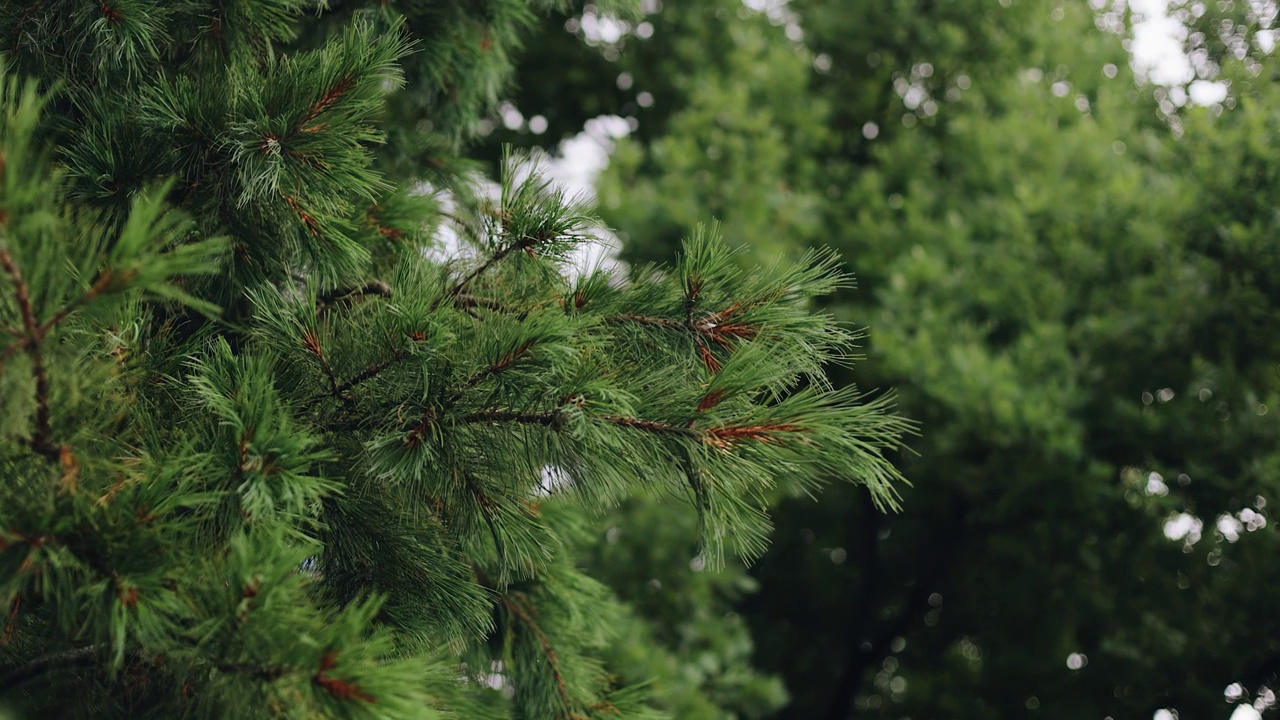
[1069, 274]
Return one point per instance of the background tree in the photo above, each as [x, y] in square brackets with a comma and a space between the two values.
[1065, 272]
[263, 456]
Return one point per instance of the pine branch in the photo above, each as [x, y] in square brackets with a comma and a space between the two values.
[332, 297]
[505, 362]
[486, 511]
[341, 689]
[493, 259]
[65, 660]
[42, 439]
[105, 280]
[549, 419]
[721, 437]
[467, 300]
[652, 426]
[370, 372]
[342, 86]
[527, 618]
[312, 344]
[647, 320]
[12, 622]
[524, 242]
[555, 419]
[717, 327]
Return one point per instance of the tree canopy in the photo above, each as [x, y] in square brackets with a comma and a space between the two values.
[1064, 269]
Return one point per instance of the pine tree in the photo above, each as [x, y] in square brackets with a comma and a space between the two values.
[1066, 270]
[264, 455]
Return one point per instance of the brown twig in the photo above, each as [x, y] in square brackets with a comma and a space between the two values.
[341, 689]
[373, 287]
[555, 419]
[548, 419]
[653, 426]
[370, 372]
[105, 279]
[67, 659]
[311, 342]
[726, 437]
[545, 642]
[308, 220]
[647, 320]
[718, 327]
[12, 623]
[42, 439]
[486, 511]
[468, 300]
[503, 363]
[493, 259]
[344, 83]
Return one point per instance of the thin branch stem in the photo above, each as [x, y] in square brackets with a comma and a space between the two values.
[105, 278]
[469, 300]
[652, 426]
[65, 660]
[505, 362]
[545, 642]
[311, 342]
[647, 320]
[486, 511]
[373, 287]
[714, 327]
[42, 438]
[457, 289]
[555, 419]
[548, 419]
[370, 372]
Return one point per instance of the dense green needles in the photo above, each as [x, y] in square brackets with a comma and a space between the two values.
[263, 456]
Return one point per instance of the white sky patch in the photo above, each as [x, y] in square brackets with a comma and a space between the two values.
[572, 170]
[1184, 526]
[1229, 527]
[602, 29]
[1157, 53]
[553, 479]
[575, 168]
[1246, 712]
[1204, 92]
[776, 10]
[1157, 44]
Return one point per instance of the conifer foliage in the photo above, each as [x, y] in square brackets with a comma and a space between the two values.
[264, 456]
